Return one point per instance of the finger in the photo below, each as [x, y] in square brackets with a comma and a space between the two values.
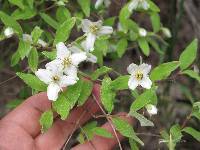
[26, 116]
[102, 143]
[61, 130]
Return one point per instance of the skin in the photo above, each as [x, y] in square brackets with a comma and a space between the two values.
[20, 129]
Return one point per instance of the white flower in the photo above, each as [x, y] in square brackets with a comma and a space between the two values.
[151, 109]
[142, 32]
[139, 76]
[138, 4]
[28, 38]
[90, 57]
[166, 32]
[8, 32]
[66, 61]
[94, 30]
[55, 79]
[100, 2]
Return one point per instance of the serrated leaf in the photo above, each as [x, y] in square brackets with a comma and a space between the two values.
[144, 122]
[64, 30]
[23, 49]
[121, 47]
[10, 22]
[193, 132]
[18, 3]
[36, 33]
[50, 55]
[145, 98]
[46, 120]
[164, 70]
[86, 91]
[49, 20]
[188, 55]
[85, 6]
[121, 83]
[67, 100]
[32, 81]
[125, 129]
[107, 94]
[33, 59]
[102, 132]
[144, 45]
[192, 74]
[99, 72]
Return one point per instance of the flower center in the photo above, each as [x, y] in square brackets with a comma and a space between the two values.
[93, 29]
[139, 75]
[67, 61]
[56, 78]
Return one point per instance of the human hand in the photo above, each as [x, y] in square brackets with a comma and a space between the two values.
[20, 129]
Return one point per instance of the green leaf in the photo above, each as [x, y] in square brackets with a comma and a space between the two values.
[153, 6]
[188, 55]
[107, 94]
[121, 83]
[30, 3]
[50, 55]
[164, 70]
[155, 21]
[144, 122]
[155, 45]
[24, 14]
[64, 30]
[33, 59]
[49, 20]
[46, 120]
[32, 81]
[14, 103]
[102, 132]
[86, 91]
[18, 3]
[99, 72]
[68, 99]
[121, 47]
[125, 129]
[62, 14]
[109, 21]
[10, 22]
[145, 98]
[15, 58]
[36, 33]
[192, 74]
[175, 132]
[24, 48]
[123, 17]
[193, 132]
[143, 44]
[85, 6]
[133, 144]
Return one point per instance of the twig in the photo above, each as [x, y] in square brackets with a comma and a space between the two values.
[109, 121]
[186, 120]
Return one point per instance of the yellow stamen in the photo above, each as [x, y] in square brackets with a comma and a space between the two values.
[67, 61]
[94, 28]
[139, 75]
[55, 78]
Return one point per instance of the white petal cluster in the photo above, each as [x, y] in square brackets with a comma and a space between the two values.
[100, 2]
[151, 109]
[28, 38]
[8, 32]
[138, 4]
[93, 30]
[142, 32]
[62, 71]
[139, 76]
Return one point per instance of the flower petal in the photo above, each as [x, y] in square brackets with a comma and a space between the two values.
[71, 71]
[98, 3]
[74, 49]
[105, 30]
[132, 83]
[145, 5]
[77, 58]
[67, 80]
[90, 40]
[91, 58]
[146, 82]
[145, 68]
[133, 5]
[52, 91]
[42, 43]
[44, 75]
[62, 50]
[55, 66]
[86, 25]
[132, 68]
[27, 38]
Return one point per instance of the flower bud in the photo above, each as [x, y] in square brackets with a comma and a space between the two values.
[142, 32]
[8, 32]
[151, 109]
[166, 32]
